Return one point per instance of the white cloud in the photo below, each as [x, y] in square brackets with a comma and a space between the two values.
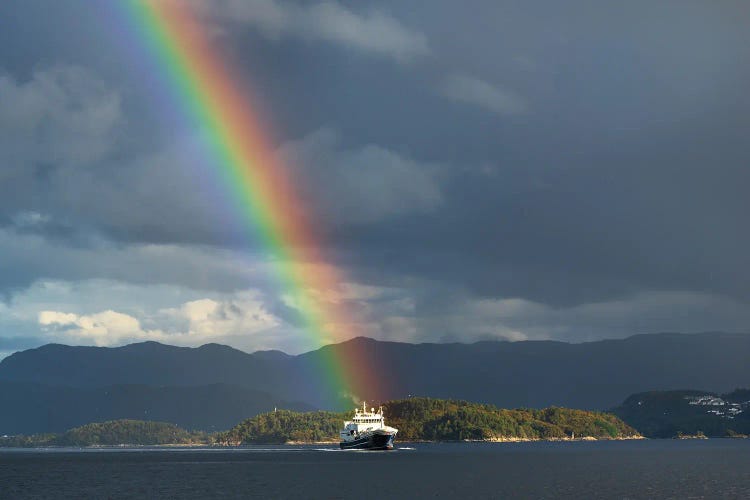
[361, 185]
[471, 90]
[192, 323]
[330, 21]
[244, 313]
[103, 329]
[53, 317]
[106, 312]
[62, 116]
[109, 313]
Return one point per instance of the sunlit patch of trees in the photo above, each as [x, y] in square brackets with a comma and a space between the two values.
[284, 426]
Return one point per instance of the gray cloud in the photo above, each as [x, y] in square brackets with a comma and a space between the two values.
[360, 185]
[591, 183]
[62, 117]
[26, 258]
[329, 21]
[645, 312]
[472, 90]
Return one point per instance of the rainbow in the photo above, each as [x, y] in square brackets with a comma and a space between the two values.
[209, 96]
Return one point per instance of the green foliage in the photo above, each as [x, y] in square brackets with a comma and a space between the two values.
[416, 419]
[112, 433]
[282, 426]
[433, 419]
[438, 419]
[33, 441]
[134, 432]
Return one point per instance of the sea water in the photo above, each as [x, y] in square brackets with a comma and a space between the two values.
[718, 468]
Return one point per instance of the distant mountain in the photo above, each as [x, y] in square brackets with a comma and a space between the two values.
[666, 414]
[536, 374]
[149, 363]
[28, 407]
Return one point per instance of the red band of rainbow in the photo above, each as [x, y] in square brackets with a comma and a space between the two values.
[259, 185]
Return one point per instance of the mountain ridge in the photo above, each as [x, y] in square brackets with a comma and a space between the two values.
[362, 338]
[594, 375]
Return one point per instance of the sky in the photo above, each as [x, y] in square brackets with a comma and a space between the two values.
[520, 170]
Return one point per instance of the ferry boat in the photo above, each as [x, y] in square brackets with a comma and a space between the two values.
[367, 431]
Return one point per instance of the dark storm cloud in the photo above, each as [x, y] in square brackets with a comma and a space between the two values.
[626, 173]
[563, 154]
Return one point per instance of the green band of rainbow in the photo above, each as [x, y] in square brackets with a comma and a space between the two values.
[256, 181]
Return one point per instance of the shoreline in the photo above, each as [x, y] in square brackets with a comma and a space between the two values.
[330, 443]
[503, 439]
[529, 440]
[499, 440]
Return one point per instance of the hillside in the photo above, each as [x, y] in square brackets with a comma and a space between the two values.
[31, 408]
[56, 387]
[666, 414]
[435, 420]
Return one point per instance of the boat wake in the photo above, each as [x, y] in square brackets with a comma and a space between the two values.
[355, 450]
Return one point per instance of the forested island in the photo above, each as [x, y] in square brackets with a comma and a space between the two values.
[657, 414]
[426, 419]
[112, 433]
[418, 419]
[689, 413]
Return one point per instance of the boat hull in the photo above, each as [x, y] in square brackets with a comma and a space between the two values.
[375, 441]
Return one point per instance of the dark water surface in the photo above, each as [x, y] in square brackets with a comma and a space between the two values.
[634, 469]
